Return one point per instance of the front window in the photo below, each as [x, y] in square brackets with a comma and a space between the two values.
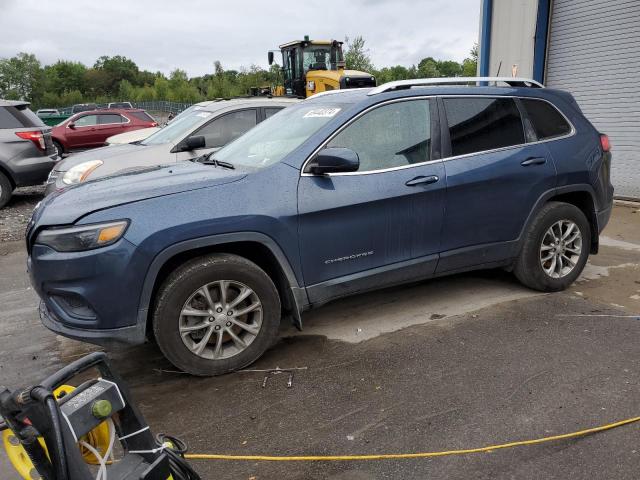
[178, 128]
[319, 57]
[86, 121]
[276, 137]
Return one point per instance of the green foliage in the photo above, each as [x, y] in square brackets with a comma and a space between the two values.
[115, 78]
[356, 56]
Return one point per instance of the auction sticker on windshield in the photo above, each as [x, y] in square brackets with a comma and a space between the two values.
[321, 113]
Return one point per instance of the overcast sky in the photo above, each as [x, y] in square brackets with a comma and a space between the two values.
[192, 34]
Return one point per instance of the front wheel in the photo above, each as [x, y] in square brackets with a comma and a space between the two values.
[59, 148]
[555, 249]
[216, 314]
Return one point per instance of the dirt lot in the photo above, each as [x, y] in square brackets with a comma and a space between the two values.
[458, 362]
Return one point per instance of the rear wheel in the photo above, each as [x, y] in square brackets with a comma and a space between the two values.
[216, 314]
[6, 189]
[556, 248]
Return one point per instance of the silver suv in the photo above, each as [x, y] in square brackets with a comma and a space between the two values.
[27, 154]
[201, 129]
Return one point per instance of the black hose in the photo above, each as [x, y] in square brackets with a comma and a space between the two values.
[180, 468]
[62, 472]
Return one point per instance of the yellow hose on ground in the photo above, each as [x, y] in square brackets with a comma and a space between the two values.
[396, 456]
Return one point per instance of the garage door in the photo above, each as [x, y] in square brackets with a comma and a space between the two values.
[594, 52]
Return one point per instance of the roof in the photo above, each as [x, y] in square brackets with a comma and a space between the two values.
[12, 103]
[310, 42]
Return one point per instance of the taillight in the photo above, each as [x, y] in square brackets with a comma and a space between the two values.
[604, 141]
[35, 136]
[154, 124]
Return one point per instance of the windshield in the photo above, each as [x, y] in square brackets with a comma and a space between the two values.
[178, 128]
[276, 137]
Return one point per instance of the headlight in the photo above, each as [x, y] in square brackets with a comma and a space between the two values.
[80, 172]
[83, 237]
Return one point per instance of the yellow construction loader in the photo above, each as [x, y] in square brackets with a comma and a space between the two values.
[314, 66]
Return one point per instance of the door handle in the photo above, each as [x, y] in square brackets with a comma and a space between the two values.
[533, 161]
[422, 180]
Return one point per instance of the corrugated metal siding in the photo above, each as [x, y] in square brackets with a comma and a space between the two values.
[594, 53]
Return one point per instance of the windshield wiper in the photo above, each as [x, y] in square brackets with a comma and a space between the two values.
[210, 160]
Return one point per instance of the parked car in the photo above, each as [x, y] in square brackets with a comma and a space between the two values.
[131, 137]
[90, 129]
[47, 112]
[121, 105]
[341, 193]
[202, 129]
[51, 116]
[83, 107]
[27, 154]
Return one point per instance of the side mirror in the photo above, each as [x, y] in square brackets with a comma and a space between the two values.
[270, 56]
[193, 143]
[72, 125]
[334, 160]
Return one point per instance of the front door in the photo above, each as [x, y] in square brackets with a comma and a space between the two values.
[364, 229]
[222, 130]
[83, 133]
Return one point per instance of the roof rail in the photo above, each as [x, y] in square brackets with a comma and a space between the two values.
[420, 82]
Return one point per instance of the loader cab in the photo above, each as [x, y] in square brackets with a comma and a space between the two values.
[303, 56]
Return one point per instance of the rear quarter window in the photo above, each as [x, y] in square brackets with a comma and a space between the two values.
[18, 117]
[144, 116]
[480, 124]
[546, 120]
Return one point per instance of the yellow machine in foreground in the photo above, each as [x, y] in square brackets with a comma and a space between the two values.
[314, 66]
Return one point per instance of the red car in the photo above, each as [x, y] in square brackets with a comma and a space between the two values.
[90, 129]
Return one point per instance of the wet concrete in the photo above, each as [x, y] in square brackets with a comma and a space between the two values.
[461, 362]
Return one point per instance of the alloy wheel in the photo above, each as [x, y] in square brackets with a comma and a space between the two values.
[220, 319]
[561, 248]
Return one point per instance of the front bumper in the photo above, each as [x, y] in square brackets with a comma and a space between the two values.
[133, 335]
[93, 295]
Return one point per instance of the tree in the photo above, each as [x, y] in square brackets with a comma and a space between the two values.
[356, 56]
[20, 77]
[470, 64]
[428, 68]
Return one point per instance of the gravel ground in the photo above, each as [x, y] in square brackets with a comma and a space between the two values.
[15, 216]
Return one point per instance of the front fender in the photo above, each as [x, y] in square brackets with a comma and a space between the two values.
[299, 295]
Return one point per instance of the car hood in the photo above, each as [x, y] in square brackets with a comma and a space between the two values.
[66, 206]
[126, 153]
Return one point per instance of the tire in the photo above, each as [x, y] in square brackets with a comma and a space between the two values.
[182, 291]
[59, 148]
[6, 189]
[547, 276]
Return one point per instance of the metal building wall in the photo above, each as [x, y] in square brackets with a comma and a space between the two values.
[513, 25]
[594, 52]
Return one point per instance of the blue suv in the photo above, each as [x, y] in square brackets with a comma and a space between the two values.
[344, 192]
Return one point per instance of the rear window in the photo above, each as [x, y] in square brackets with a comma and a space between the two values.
[120, 105]
[480, 124]
[18, 117]
[547, 121]
[144, 116]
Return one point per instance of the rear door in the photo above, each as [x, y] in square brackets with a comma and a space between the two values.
[494, 179]
[381, 224]
[222, 130]
[109, 124]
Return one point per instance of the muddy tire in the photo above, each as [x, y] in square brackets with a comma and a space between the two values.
[555, 249]
[216, 314]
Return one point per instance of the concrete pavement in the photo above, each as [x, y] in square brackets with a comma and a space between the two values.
[459, 362]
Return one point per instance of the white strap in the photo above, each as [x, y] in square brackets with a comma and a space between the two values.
[134, 433]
